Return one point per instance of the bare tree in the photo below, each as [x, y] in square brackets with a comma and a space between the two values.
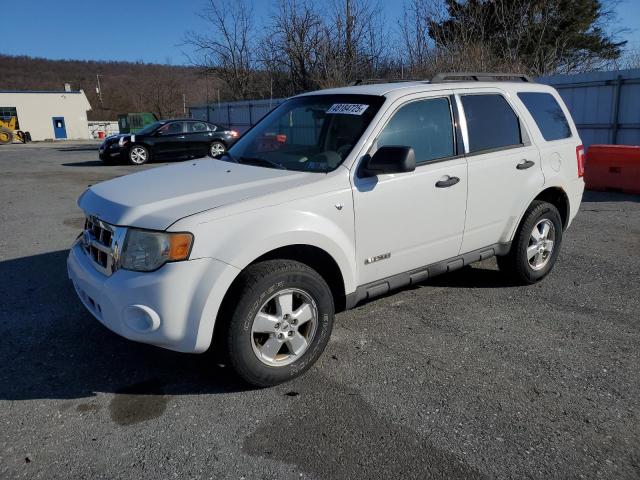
[292, 43]
[229, 52]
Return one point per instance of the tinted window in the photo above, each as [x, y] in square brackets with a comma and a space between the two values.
[491, 122]
[547, 113]
[196, 127]
[425, 126]
[171, 128]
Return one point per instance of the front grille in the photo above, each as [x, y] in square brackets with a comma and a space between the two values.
[100, 243]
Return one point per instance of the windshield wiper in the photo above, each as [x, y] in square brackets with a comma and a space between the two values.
[254, 160]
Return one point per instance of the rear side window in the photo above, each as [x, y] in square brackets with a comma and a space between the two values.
[491, 122]
[548, 115]
[196, 127]
[425, 126]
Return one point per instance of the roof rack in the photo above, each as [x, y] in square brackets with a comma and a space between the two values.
[480, 76]
[373, 81]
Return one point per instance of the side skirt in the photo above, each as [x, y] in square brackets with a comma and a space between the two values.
[385, 285]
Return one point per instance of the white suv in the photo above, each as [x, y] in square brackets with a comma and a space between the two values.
[335, 197]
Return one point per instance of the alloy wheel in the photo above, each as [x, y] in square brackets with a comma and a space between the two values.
[541, 242]
[138, 155]
[284, 327]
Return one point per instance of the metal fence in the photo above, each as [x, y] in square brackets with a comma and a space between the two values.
[237, 115]
[604, 105]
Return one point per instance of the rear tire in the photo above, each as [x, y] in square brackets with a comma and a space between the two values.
[536, 245]
[217, 149]
[278, 323]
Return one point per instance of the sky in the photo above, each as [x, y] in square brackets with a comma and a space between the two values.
[153, 30]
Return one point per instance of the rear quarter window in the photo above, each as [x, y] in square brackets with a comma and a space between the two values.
[547, 114]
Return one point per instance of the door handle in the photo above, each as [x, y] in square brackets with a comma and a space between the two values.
[525, 164]
[449, 182]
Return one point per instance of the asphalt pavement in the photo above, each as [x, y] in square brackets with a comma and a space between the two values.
[465, 376]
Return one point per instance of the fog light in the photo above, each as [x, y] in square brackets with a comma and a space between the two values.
[141, 318]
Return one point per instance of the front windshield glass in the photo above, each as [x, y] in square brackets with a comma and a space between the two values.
[311, 133]
[149, 128]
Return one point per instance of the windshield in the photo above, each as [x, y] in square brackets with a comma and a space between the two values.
[149, 128]
[310, 133]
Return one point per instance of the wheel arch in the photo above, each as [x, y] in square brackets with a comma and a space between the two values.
[314, 257]
[557, 197]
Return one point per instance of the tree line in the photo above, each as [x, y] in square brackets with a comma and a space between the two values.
[125, 86]
[306, 45]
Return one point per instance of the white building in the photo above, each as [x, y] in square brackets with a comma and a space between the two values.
[47, 114]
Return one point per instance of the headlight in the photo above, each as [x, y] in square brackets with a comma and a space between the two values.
[145, 250]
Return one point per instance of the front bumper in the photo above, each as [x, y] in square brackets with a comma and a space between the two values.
[111, 152]
[174, 307]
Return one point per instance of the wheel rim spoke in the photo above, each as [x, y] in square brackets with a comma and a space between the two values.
[297, 343]
[264, 323]
[271, 348]
[545, 231]
[531, 251]
[549, 246]
[303, 314]
[284, 304]
[535, 234]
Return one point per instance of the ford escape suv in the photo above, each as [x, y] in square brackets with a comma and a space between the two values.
[335, 197]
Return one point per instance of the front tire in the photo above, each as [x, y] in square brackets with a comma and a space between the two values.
[138, 155]
[536, 245]
[281, 322]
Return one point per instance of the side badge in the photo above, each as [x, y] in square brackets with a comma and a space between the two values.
[377, 258]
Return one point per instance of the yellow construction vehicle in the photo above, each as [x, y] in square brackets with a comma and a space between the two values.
[8, 131]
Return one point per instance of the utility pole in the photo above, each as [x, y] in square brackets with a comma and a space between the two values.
[184, 104]
[99, 90]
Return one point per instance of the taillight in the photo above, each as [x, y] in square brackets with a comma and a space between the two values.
[580, 159]
[233, 133]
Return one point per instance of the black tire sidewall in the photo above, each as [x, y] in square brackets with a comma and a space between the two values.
[240, 350]
[537, 212]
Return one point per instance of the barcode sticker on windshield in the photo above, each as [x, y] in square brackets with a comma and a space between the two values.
[348, 108]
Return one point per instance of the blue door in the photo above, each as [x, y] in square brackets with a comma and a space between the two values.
[59, 129]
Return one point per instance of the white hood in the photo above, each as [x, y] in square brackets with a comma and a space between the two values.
[159, 197]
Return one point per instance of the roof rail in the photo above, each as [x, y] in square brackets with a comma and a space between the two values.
[479, 77]
[372, 81]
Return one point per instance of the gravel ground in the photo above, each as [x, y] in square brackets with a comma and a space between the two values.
[465, 376]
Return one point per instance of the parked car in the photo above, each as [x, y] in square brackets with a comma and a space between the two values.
[333, 198]
[168, 140]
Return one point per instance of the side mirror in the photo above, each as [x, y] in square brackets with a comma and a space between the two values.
[390, 159]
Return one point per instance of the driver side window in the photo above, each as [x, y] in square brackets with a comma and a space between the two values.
[424, 125]
[172, 128]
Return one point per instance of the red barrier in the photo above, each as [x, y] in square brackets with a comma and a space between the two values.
[613, 167]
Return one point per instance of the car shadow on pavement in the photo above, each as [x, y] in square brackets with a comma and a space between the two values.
[51, 348]
[89, 163]
[84, 148]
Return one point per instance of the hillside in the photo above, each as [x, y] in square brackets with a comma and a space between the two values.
[126, 87]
